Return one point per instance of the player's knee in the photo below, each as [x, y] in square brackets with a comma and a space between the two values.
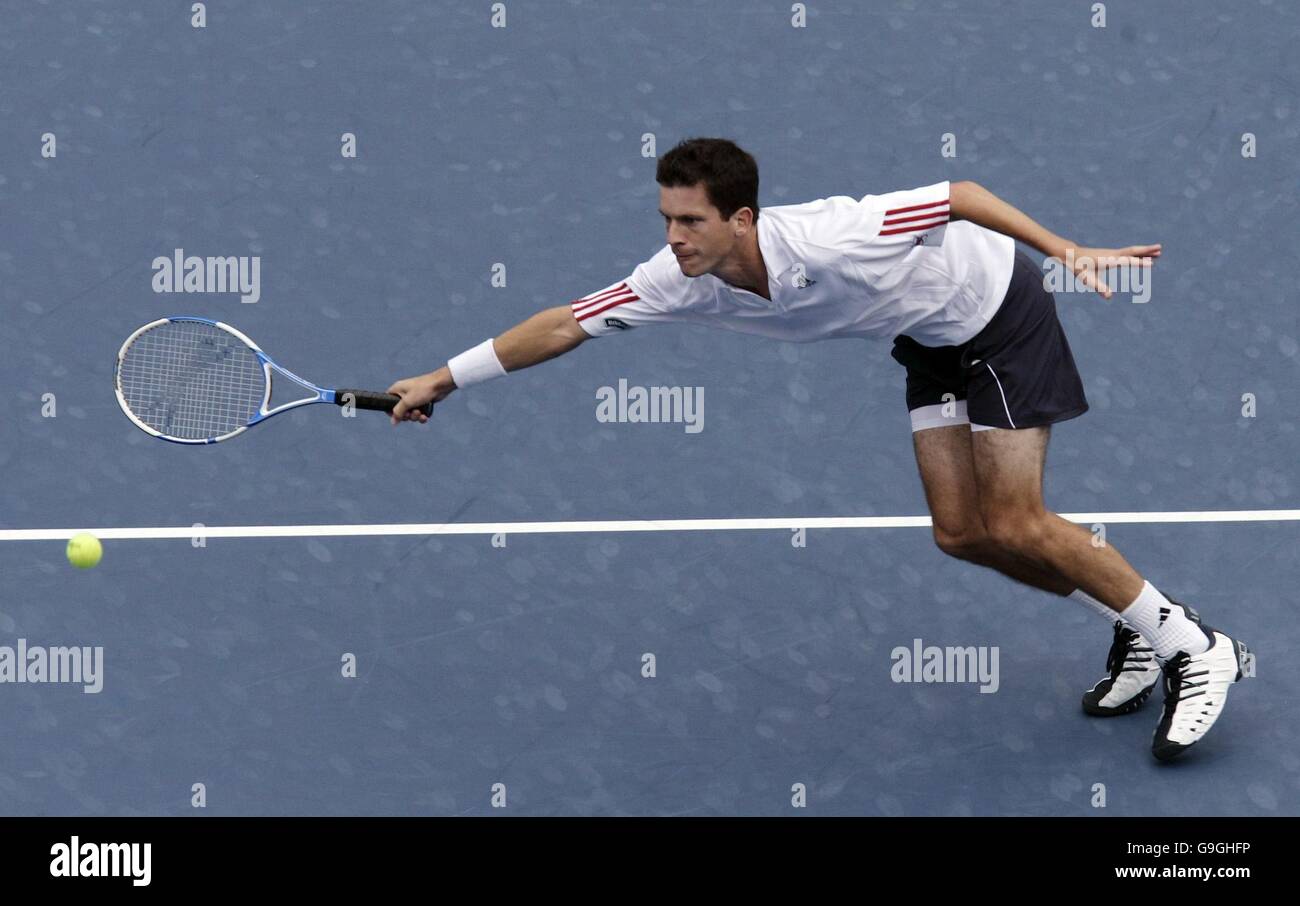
[964, 543]
[1014, 530]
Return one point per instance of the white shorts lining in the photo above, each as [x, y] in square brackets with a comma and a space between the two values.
[934, 416]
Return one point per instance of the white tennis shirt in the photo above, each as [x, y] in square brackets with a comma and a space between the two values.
[879, 266]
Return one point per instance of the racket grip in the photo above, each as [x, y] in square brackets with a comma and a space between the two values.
[369, 399]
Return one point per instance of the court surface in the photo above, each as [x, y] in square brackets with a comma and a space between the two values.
[522, 665]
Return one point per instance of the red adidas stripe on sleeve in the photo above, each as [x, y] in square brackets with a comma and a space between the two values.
[915, 218]
[603, 300]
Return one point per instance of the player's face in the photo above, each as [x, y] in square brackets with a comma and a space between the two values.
[699, 237]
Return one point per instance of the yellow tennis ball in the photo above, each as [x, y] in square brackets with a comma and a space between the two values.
[84, 550]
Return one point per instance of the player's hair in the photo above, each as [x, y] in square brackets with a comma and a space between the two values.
[729, 173]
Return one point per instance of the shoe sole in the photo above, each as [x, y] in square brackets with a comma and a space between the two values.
[1118, 710]
[1245, 668]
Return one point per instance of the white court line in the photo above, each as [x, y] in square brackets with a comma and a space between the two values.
[589, 528]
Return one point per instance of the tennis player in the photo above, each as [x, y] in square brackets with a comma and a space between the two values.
[989, 371]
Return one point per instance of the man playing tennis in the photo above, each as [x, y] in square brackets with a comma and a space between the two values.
[989, 371]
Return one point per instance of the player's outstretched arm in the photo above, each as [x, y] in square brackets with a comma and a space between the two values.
[545, 335]
[971, 201]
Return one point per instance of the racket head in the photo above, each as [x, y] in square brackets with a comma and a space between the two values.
[192, 380]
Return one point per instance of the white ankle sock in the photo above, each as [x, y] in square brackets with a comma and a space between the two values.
[1087, 600]
[1164, 624]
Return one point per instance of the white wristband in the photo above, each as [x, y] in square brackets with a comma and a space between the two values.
[474, 366]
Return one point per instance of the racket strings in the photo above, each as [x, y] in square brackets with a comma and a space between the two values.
[191, 380]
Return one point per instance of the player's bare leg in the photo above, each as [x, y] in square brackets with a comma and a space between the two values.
[947, 465]
[1008, 467]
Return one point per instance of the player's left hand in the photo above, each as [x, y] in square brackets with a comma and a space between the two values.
[1089, 264]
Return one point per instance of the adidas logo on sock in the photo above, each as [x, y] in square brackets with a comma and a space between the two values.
[1164, 615]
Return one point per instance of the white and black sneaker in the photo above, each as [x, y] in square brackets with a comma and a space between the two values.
[1133, 672]
[1196, 688]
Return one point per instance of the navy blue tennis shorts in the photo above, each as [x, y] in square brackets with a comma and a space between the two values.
[1018, 372]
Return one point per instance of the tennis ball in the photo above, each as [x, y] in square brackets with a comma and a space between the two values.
[84, 550]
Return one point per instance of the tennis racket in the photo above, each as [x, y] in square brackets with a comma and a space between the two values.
[198, 381]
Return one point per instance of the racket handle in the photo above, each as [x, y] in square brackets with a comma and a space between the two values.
[368, 399]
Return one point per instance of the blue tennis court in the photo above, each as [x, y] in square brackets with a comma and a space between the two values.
[679, 668]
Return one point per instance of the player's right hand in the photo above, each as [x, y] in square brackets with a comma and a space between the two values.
[416, 391]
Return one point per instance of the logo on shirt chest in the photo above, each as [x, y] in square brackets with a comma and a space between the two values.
[799, 277]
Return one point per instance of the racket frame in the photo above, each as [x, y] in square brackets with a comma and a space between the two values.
[321, 394]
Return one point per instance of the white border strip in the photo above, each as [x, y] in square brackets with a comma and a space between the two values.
[584, 528]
